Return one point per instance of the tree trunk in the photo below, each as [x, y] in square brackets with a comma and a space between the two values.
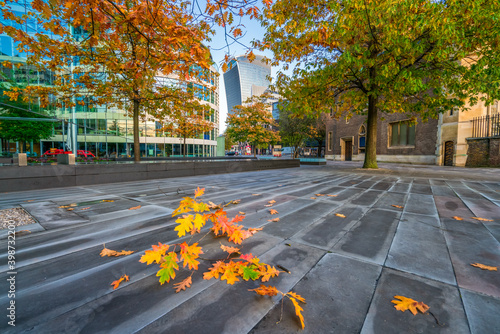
[254, 148]
[184, 150]
[371, 134]
[137, 146]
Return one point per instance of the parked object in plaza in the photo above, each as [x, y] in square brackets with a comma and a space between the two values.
[56, 151]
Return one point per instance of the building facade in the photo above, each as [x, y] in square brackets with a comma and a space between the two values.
[244, 79]
[102, 130]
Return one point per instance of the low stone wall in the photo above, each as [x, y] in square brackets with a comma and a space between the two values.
[15, 178]
[483, 152]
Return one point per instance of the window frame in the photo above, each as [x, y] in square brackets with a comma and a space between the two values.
[408, 134]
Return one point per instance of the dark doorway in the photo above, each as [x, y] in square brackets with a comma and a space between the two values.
[448, 153]
[348, 150]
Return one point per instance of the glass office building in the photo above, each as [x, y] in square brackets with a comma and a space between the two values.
[241, 75]
[102, 130]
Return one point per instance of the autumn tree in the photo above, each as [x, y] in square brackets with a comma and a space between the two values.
[294, 127]
[188, 118]
[371, 57]
[112, 52]
[252, 123]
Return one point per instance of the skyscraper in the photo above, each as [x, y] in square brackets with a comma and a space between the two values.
[244, 79]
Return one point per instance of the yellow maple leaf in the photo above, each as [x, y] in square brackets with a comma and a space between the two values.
[340, 215]
[272, 201]
[185, 225]
[268, 205]
[405, 303]
[241, 213]
[199, 221]
[484, 267]
[199, 192]
[457, 218]
[154, 255]
[482, 219]
[273, 212]
[183, 285]
[298, 311]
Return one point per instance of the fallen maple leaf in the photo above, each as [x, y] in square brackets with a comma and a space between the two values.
[183, 285]
[236, 201]
[135, 207]
[332, 195]
[199, 192]
[108, 200]
[273, 212]
[22, 232]
[482, 219]
[397, 206]
[241, 213]
[70, 209]
[268, 205]
[484, 267]
[319, 195]
[88, 207]
[457, 218]
[274, 220]
[272, 201]
[64, 206]
[73, 204]
[229, 249]
[116, 283]
[340, 215]
[110, 252]
[298, 311]
[313, 197]
[212, 205]
[404, 304]
[265, 290]
[255, 194]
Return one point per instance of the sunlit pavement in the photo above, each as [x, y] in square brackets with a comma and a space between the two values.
[398, 237]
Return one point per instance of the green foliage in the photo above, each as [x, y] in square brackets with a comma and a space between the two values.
[364, 56]
[22, 131]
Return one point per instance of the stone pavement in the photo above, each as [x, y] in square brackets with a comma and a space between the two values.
[348, 269]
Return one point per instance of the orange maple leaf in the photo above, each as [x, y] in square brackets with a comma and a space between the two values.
[229, 249]
[199, 192]
[110, 252]
[319, 195]
[457, 218]
[313, 197]
[340, 215]
[273, 220]
[482, 219]
[273, 212]
[298, 311]
[397, 206]
[185, 225]
[272, 201]
[484, 267]
[183, 285]
[332, 195]
[189, 254]
[266, 290]
[116, 283]
[241, 213]
[255, 194]
[135, 207]
[404, 304]
[216, 269]
[297, 296]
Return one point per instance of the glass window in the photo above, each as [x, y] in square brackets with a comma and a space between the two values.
[402, 134]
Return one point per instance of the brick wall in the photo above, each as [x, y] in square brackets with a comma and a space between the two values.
[483, 152]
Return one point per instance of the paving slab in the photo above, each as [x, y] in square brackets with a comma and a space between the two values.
[421, 249]
[49, 215]
[443, 299]
[482, 312]
[421, 204]
[400, 187]
[368, 198]
[473, 243]
[371, 237]
[421, 189]
[328, 231]
[449, 207]
[326, 288]
[483, 208]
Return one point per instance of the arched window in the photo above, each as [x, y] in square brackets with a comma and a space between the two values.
[362, 139]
